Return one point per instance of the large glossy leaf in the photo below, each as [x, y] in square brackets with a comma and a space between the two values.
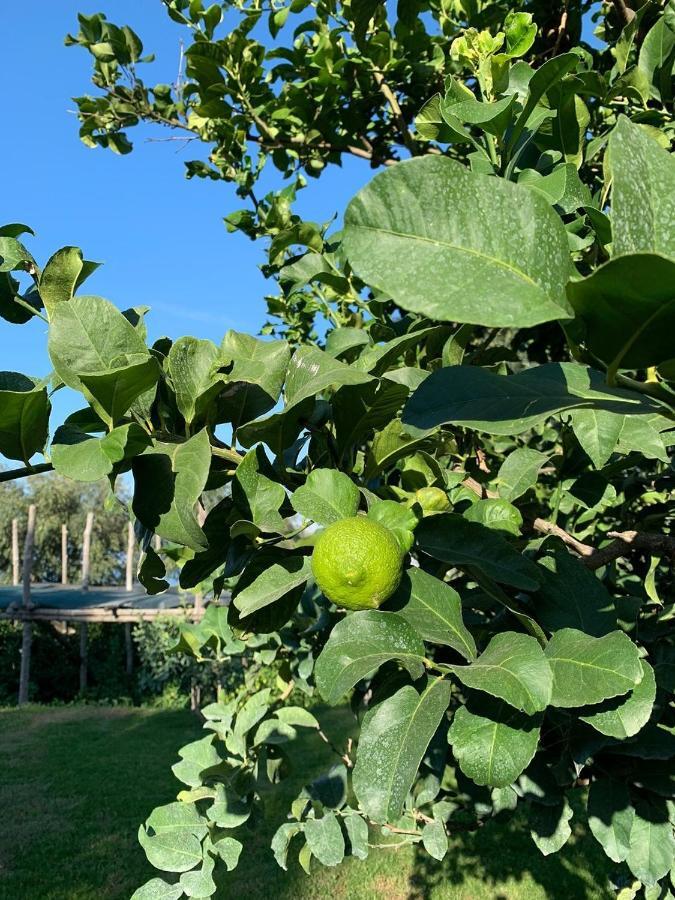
[168, 481]
[326, 496]
[96, 350]
[360, 644]
[643, 192]
[434, 609]
[610, 817]
[86, 457]
[492, 742]
[571, 596]
[623, 717]
[589, 670]
[362, 409]
[275, 581]
[394, 737]
[24, 416]
[255, 374]
[513, 668]
[477, 398]
[191, 365]
[459, 247]
[453, 539]
[626, 310]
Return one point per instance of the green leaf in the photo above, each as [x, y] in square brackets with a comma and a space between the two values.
[571, 596]
[477, 398]
[434, 610]
[177, 816]
[60, 277]
[281, 842]
[519, 472]
[312, 371]
[297, 715]
[486, 251]
[171, 851]
[95, 350]
[377, 359]
[192, 368]
[257, 493]
[357, 832]
[325, 839]
[542, 80]
[598, 433]
[394, 737]
[158, 889]
[519, 33]
[652, 845]
[168, 481]
[13, 255]
[151, 572]
[435, 839]
[588, 670]
[399, 519]
[550, 826]
[389, 445]
[364, 408]
[360, 644]
[276, 581]
[643, 193]
[627, 310]
[492, 742]
[196, 757]
[495, 513]
[229, 850]
[228, 810]
[432, 125]
[452, 539]
[200, 883]
[623, 717]
[326, 496]
[24, 416]
[512, 667]
[610, 817]
[85, 457]
[256, 372]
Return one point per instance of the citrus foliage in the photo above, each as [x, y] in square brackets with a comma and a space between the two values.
[495, 388]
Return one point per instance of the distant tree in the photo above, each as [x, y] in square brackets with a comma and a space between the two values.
[60, 501]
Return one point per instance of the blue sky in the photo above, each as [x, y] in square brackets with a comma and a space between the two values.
[160, 237]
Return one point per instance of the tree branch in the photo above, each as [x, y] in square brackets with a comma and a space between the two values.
[395, 107]
[624, 12]
[624, 543]
[24, 471]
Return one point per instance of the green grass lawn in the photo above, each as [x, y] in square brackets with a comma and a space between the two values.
[76, 783]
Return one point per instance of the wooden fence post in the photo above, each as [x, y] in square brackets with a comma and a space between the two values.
[27, 632]
[64, 554]
[15, 552]
[128, 643]
[84, 628]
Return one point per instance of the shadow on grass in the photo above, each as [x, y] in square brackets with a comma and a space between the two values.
[81, 781]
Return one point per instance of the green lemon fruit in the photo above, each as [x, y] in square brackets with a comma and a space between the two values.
[432, 499]
[357, 563]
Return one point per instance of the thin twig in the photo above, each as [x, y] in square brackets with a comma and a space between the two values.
[394, 105]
